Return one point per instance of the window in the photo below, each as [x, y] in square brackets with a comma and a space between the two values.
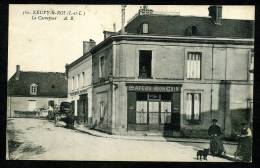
[166, 108]
[145, 64]
[101, 67]
[194, 65]
[251, 64]
[78, 81]
[83, 79]
[102, 109]
[141, 108]
[194, 30]
[193, 106]
[73, 83]
[32, 105]
[145, 28]
[33, 89]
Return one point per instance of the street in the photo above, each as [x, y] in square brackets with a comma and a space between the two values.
[39, 139]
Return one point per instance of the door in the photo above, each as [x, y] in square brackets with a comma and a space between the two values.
[32, 105]
[153, 111]
[85, 108]
[175, 119]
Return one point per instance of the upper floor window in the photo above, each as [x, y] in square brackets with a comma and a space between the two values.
[251, 64]
[83, 79]
[102, 67]
[193, 106]
[145, 64]
[78, 81]
[145, 28]
[73, 83]
[33, 89]
[193, 65]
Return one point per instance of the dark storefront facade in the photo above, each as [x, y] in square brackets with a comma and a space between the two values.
[154, 108]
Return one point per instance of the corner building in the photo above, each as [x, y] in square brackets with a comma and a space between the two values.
[171, 75]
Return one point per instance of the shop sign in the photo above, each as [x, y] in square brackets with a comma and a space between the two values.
[79, 92]
[154, 88]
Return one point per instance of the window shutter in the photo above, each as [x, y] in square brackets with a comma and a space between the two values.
[196, 106]
[188, 106]
[188, 66]
[198, 66]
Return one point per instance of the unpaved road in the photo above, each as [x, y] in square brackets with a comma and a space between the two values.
[35, 139]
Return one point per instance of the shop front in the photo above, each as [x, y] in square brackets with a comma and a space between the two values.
[153, 108]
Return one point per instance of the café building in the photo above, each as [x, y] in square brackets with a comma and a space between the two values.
[171, 75]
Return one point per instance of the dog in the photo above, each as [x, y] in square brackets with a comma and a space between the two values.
[202, 153]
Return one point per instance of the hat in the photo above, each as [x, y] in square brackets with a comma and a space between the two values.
[214, 120]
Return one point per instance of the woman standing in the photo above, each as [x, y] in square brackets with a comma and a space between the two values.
[244, 148]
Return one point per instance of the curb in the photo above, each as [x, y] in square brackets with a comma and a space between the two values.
[146, 139]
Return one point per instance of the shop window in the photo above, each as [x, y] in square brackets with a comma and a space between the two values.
[166, 106]
[145, 28]
[193, 65]
[141, 108]
[33, 89]
[145, 64]
[101, 67]
[193, 107]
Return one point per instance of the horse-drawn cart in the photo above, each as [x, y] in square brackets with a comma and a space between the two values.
[64, 113]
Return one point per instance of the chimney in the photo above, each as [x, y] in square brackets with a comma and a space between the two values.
[123, 19]
[108, 34]
[88, 45]
[17, 74]
[215, 12]
[145, 10]
[67, 71]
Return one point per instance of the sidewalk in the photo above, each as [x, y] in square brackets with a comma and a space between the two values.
[81, 128]
[198, 143]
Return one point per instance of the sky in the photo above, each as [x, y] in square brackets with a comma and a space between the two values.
[37, 44]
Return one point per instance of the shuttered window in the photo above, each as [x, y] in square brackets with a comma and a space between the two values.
[101, 67]
[194, 65]
[193, 106]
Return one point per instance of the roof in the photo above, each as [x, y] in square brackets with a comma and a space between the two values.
[80, 59]
[50, 84]
[178, 25]
[178, 39]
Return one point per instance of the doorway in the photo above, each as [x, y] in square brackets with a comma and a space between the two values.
[154, 111]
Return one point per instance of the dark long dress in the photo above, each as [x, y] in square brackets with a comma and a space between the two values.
[244, 148]
[216, 144]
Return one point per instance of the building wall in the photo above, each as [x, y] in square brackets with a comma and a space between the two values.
[230, 62]
[75, 89]
[102, 120]
[224, 70]
[107, 53]
[22, 103]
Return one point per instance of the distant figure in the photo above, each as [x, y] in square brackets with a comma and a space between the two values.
[143, 72]
[216, 144]
[244, 148]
